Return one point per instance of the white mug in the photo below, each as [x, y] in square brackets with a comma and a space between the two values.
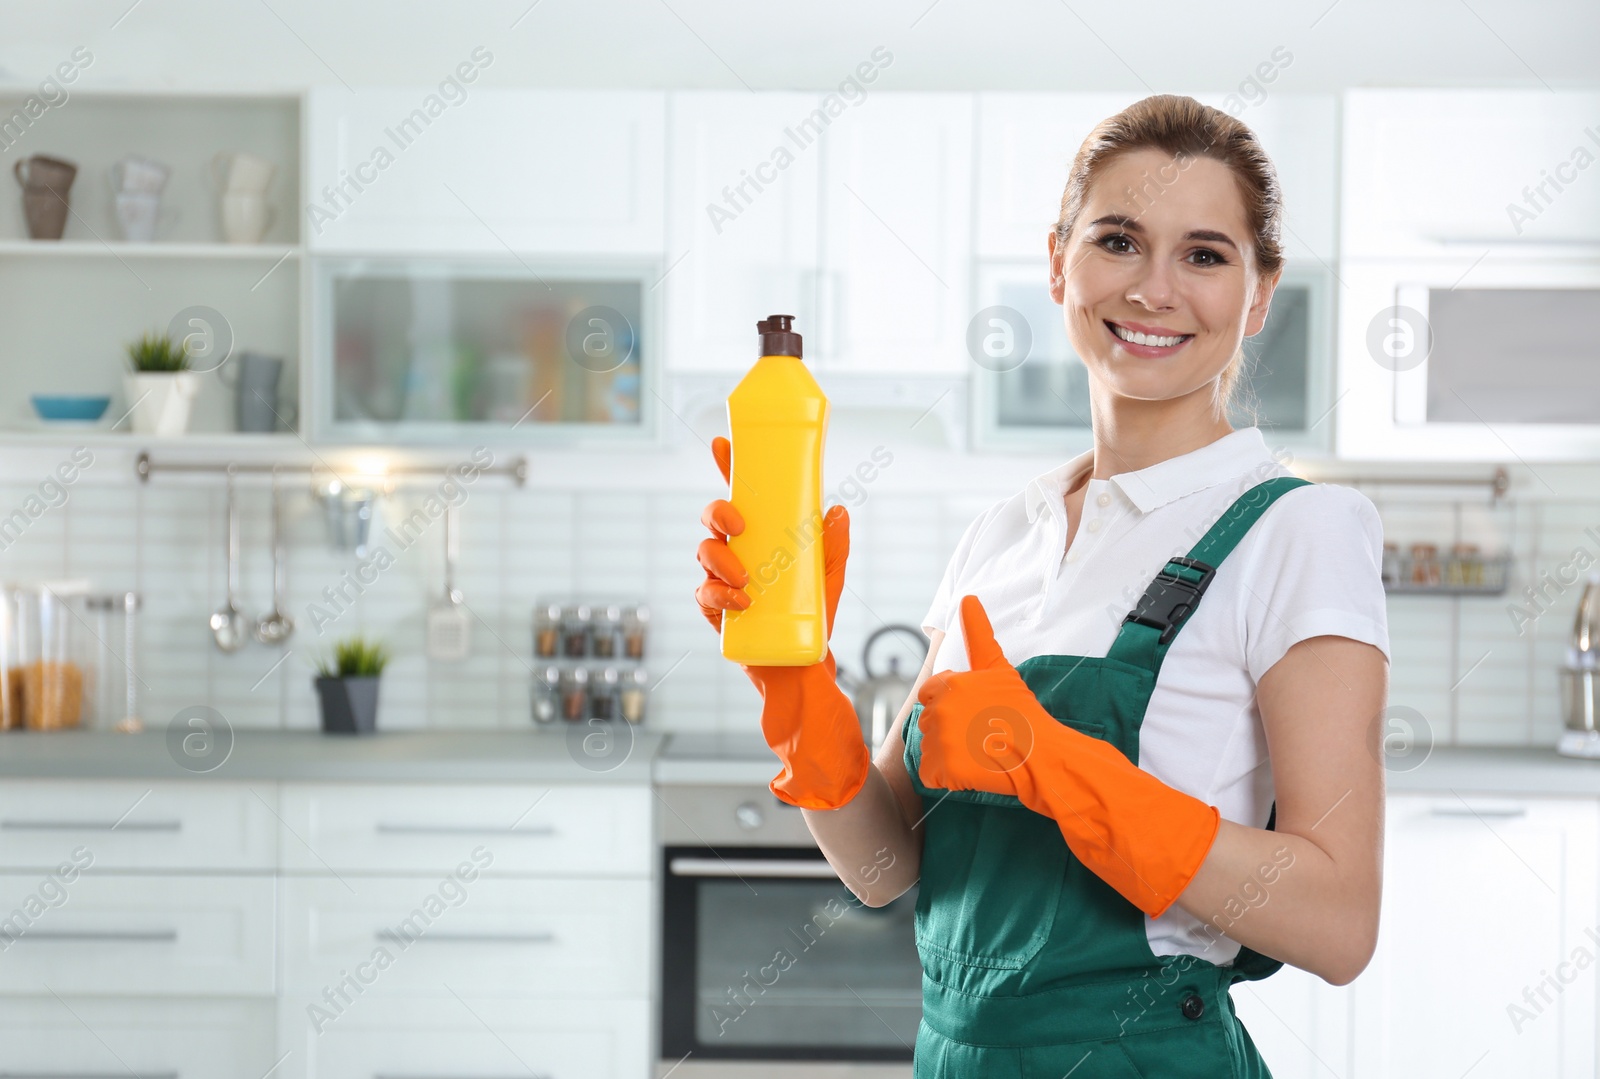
[245, 218]
[241, 173]
[139, 175]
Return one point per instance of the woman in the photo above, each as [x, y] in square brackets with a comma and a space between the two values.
[1094, 829]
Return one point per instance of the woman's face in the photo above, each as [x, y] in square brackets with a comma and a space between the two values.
[1161, 247]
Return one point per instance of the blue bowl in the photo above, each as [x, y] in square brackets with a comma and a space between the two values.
[70, 407]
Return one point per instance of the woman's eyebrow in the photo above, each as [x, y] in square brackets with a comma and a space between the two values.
[1131, 224]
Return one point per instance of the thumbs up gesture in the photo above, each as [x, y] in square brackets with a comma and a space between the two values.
[980, 726]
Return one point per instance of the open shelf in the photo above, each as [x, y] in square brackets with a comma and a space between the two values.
[121, 249]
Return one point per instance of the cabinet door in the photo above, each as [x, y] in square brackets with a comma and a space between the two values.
[897, 212]
[742, 225]
[1025, 147]
[525, 171]
[1485, 960]
[66, 1037]
[1437, 172]
[1299, 1023]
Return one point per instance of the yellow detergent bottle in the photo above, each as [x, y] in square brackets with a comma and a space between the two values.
[777, 420]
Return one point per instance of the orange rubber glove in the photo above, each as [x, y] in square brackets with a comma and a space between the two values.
[984, 729]
[805, 717]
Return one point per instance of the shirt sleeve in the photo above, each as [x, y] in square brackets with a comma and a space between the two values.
[1317, 569]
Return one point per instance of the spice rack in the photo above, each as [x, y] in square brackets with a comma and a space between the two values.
[1422, 570]
[589, 660]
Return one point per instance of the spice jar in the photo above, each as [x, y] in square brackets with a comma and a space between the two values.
[1391, 565]
[547, 631]
[633, 695]
[10, 662]
[603, 695]
[1465, 567]
[635, 621]
[574, 694]
[547, 695]
[606, 635]
[575, 620]
[1424, 564]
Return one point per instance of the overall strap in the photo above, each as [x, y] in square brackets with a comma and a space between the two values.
[1147, 630]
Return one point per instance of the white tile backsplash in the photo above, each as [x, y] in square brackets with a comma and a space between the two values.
[1460, 662]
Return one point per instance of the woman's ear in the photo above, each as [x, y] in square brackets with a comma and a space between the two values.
[1256, 317]
[1058, 284]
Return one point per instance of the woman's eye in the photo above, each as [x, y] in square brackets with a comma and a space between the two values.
[1217, 259]
[1115, 237]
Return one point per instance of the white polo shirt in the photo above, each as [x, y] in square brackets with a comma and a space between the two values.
[1310, 565]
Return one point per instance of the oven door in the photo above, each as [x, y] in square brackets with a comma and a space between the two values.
[767, 956]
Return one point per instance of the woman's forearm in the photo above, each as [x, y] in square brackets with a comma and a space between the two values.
[868, 842]
[1285, 897]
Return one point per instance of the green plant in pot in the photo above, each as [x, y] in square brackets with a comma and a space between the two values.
[347, 685]
[161, 388]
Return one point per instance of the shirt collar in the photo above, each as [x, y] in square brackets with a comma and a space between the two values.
[1150, 488]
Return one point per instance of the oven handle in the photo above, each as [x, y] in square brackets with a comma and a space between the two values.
[817, 869]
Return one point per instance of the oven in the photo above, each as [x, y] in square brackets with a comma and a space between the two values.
[770, 966]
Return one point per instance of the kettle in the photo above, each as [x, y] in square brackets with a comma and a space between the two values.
[1580, 677]
[878, 697]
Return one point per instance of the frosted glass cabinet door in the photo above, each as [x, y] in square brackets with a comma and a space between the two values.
[742, 223]
[486, 170]
[1485, 961]
[420, 351]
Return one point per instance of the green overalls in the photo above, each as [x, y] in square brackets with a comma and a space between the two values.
[1034, 967]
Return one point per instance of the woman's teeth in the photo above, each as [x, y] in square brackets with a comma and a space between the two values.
[1146, 339]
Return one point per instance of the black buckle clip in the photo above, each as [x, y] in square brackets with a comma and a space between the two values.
[1169, 598]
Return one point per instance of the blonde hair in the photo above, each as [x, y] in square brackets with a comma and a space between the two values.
[1183, 128]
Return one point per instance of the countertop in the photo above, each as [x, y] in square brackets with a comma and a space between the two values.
[653, 756]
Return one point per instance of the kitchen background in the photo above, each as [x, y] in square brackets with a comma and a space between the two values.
[430, 218]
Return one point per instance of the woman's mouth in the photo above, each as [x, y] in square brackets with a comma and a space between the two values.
[1149, 346]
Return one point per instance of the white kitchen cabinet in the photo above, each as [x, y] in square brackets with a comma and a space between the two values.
[175, 935]
[590, 937]
[1485, 960]
[192, 1038]
[1027, 142]
[500, 170]
[1441, 173]
[136, 825]
[432, 828]
[468, 1034]
[1298, 1022]
[742, 241]
[894, 290]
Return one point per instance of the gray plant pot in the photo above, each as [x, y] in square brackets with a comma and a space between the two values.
[349, 705]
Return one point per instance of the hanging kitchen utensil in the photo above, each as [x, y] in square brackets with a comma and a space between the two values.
[229, 627]
[275, 628]
[449, 631]
[878, 697]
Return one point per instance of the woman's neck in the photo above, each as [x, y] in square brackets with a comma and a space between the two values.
[1130, 435]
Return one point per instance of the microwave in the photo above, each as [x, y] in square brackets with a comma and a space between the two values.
[1477, 357]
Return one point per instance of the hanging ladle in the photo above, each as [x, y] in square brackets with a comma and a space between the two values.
[276, 627]
[229, 627]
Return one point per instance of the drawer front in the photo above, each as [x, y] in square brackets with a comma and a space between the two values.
[470, 1037]
[131, 825]
[101, 933]
[77, 1038]
[560, 830]
[372, 936]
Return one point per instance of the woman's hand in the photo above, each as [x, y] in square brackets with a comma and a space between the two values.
[979, 726]
[805, 717]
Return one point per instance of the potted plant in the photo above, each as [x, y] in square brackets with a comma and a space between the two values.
[347, 685]
[161, 388]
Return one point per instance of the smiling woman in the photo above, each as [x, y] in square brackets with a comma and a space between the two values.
[1109, 822]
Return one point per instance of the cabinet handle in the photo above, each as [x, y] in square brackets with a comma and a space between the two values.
[85, 1075]
[752, 867]
[90, 826]
[96, 935]
[389, 936]
[461, 829]
[1481, 811]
